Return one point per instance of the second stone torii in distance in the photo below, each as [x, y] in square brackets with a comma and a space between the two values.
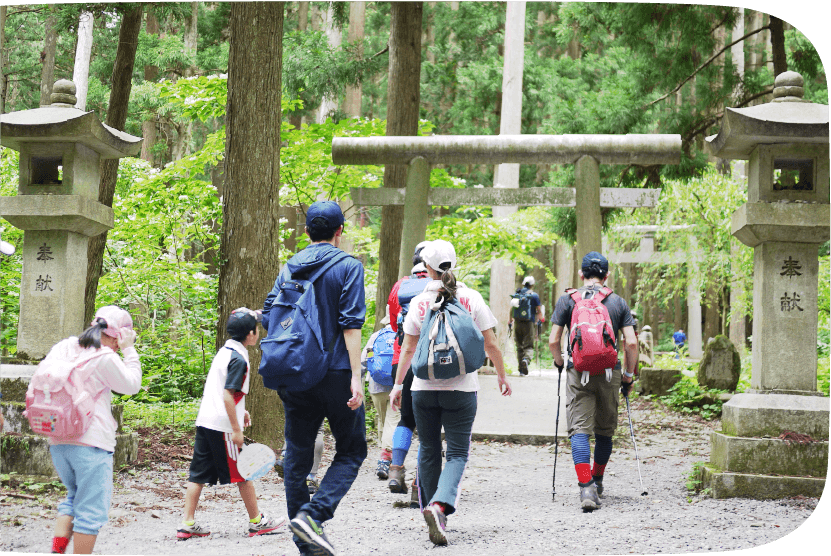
[586, 152]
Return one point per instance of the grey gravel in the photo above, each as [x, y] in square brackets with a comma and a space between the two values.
[506, 507]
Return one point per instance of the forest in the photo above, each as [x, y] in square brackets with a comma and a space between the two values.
[165, 72]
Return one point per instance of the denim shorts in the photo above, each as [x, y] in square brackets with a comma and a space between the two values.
[87, 473]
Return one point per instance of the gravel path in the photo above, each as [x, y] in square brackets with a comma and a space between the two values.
[506, 507]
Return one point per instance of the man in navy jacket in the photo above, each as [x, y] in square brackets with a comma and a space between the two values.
[339, 396]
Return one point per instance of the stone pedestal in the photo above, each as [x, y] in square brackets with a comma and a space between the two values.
[657, 382]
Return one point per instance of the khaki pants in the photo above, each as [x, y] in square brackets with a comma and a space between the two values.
[387, 419]
[592, 409]
[524, 335]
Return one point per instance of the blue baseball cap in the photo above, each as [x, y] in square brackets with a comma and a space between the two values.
[324, 214]
[593, 258]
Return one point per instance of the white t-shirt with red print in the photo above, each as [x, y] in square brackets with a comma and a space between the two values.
[420, 307]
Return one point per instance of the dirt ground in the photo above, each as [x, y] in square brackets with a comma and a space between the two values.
[506, 505]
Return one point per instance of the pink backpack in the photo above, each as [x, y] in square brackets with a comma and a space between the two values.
[591, 336]
[60, 401]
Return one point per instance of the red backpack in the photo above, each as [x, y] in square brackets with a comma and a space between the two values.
[591, 337]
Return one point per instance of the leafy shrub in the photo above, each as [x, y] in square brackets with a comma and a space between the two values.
[687, 396]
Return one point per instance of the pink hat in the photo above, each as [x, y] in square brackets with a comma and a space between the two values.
[116, 318]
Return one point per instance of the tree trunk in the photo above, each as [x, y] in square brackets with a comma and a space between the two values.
[357, 17]
[47, 57]
[151, 73]
[252, 172]
[335, 36]
[80, 76]
[191, 37]
[125, 58]
[403, 98]
[777, 43]
[302, 16]
[2, 59]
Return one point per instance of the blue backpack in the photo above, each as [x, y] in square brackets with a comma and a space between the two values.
[293, 354]
[450, 343]
[406, 292]
[379, 357]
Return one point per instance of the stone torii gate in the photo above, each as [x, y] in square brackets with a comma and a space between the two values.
[586, 152]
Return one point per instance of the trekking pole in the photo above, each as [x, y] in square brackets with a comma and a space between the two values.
[632, 432]
[556, 430]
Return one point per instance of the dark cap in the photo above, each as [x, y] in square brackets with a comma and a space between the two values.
[596, 263]
[324, 214]
[241, 322]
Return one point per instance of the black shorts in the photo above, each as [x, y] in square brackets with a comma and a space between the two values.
[214, 458]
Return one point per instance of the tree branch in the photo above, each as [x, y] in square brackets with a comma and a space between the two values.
[704, 65]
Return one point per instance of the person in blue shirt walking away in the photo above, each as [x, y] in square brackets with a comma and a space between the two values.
[680, 339]
[339, 395]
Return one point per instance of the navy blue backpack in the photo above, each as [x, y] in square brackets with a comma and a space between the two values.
[293, 354]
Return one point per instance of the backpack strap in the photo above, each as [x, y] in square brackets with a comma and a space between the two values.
[603, 293]
[329, 264]
[574, 294]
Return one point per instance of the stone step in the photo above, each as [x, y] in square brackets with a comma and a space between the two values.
[724, 484]
[16, 422]
[768, 456]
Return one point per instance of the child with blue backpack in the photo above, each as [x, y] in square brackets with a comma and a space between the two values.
[376, 361]
[445, 401]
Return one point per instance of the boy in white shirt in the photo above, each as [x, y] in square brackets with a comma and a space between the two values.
[219, 424]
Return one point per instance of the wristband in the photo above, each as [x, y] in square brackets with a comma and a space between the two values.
[397, 388]
[628, 375]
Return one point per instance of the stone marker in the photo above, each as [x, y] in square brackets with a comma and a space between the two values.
[646, 351]
[785, 219]
[57, 207]
[721, 366]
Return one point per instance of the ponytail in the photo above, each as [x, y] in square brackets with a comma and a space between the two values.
[92, 335]
[448, 282]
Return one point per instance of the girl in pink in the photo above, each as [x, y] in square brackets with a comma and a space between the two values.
[85, 466]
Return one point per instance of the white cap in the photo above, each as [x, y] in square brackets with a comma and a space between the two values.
[6, 248]
[529, 280]
[418, 268]
[386, 319]
[438, 252]
[419, 247]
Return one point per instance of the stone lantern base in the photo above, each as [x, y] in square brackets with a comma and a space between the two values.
[757, 455]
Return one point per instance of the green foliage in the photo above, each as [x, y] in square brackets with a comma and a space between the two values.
[686, 396]
[180, 414]
[10, 266]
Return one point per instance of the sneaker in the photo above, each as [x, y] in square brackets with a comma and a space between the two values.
[186, 531]
[589, 500]
[383, 470]
[266, 526]
[599, 482]
[311, 532]
[523, 367]
[436, 522]
[398, 481]
[312, 483]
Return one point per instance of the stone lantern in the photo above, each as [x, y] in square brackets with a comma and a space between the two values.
[785, 220]
[57, 207]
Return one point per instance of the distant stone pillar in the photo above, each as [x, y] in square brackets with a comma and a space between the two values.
[589, 220]
[415, 212]
[738, 332]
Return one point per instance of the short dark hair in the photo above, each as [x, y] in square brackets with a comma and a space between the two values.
[320, 230]
[240, 324]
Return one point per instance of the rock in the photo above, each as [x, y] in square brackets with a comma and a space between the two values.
[721, 366]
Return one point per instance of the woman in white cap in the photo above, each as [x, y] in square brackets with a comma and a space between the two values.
[444, 403]
[85, 465]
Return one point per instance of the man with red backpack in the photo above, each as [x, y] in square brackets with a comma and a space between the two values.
[594, 316]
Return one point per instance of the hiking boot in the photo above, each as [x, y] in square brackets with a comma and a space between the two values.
[266, 526]
[383, 470]
[436, 522]
[589, 500]
[414, 491]
[186, 531]
[398, 481]
[310, 531]
[523, 367]
[599, 482]
[312, 483]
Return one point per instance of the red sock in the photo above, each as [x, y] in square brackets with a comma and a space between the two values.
[597, 470]
[59, 544]
[386, 455]
[442, 507]
[584, 472]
